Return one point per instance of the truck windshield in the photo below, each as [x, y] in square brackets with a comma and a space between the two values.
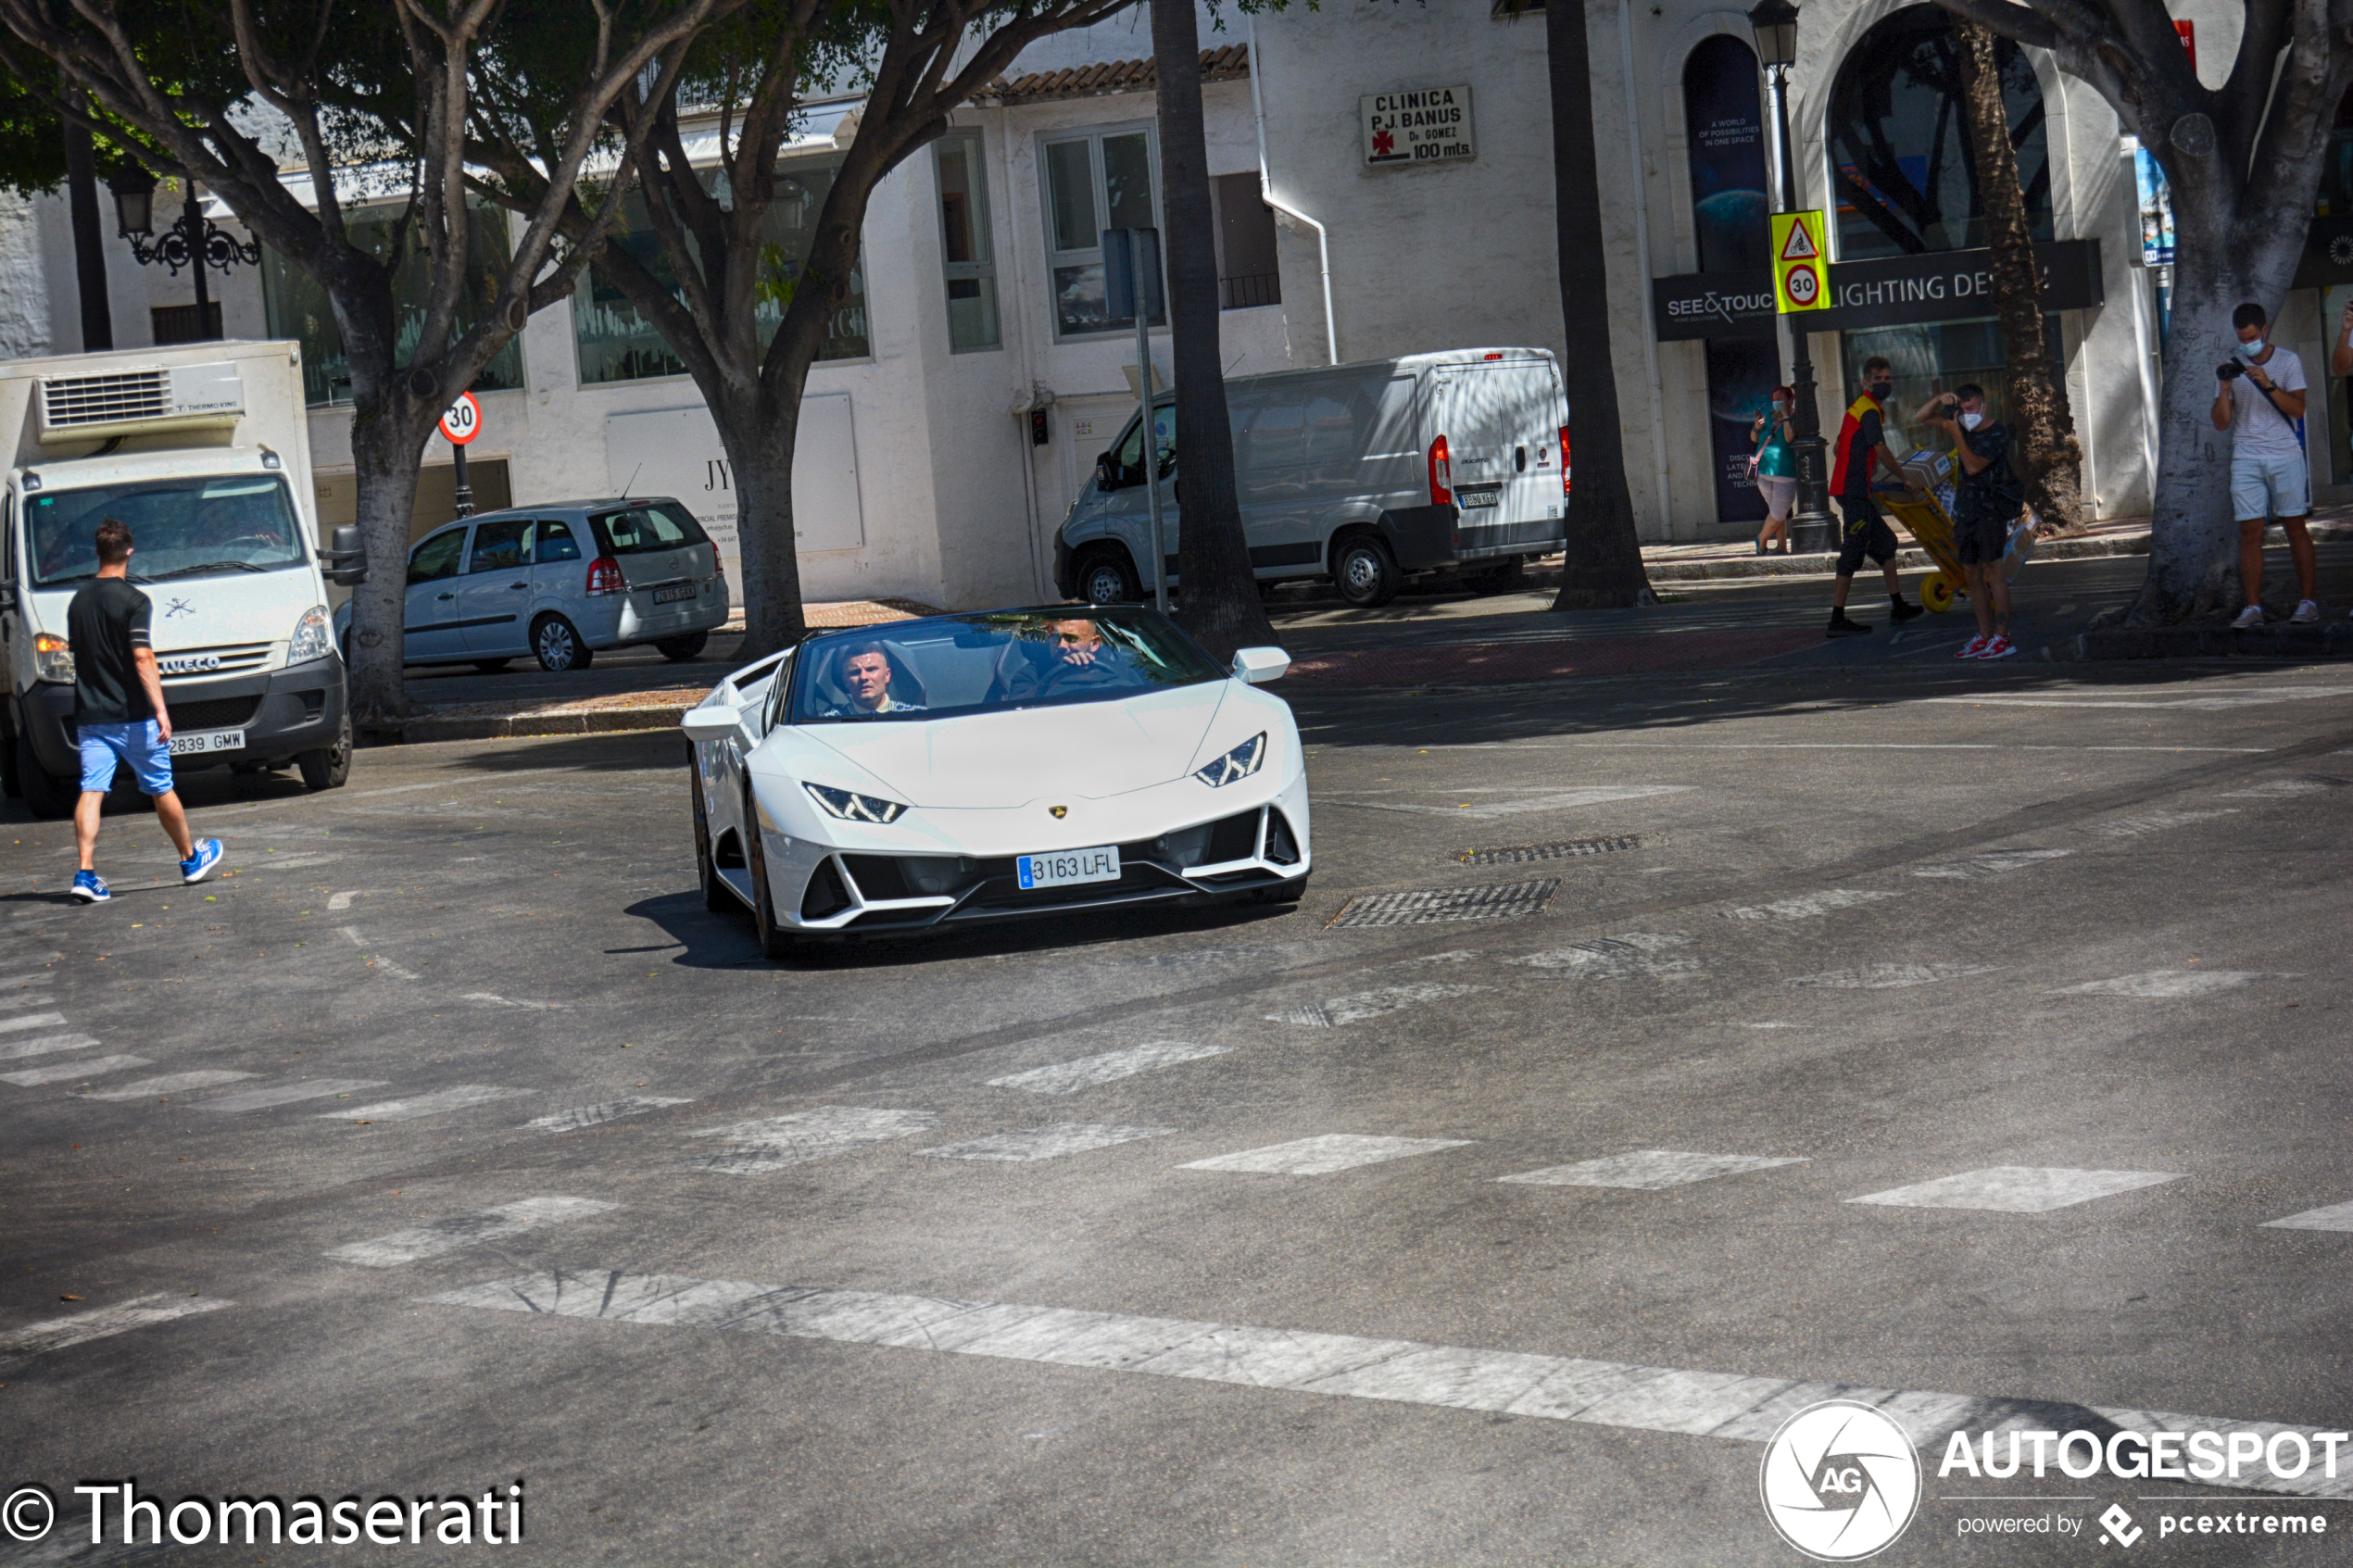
[193, 527]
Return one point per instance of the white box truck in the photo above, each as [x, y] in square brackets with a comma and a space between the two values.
[204, 450]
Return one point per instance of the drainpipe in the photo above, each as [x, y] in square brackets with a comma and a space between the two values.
[1266, 194]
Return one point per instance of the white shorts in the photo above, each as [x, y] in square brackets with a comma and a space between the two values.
[2268, 484]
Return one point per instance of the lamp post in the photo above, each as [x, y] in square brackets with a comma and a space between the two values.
[1811, 528]
[192, 242]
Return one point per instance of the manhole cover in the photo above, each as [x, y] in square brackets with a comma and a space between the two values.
[1502, 901]
[1521, 854]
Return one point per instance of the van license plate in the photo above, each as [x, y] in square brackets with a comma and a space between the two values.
[1069, 866]
[1478, 497]
[204, 742]
[672, 594]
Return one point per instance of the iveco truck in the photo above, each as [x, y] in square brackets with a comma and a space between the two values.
[204, 450]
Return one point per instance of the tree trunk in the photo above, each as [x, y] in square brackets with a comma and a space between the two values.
[386, 451]
[2193, 566]
[1220, 605]
[2052, 468]
[1604, 568]
[89, 245]
[761, 452]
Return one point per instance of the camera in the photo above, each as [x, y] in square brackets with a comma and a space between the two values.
[2229, 370]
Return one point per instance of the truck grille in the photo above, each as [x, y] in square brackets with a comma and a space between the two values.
[198, 664]
[219, 713]
[70, 401]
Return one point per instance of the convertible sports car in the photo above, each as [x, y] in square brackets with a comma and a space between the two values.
[980, 767]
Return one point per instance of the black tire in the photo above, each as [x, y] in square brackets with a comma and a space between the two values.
[555, 642]
[715, 894]
[774, 941]
[1497, 579]
[8, 784]
[328, 766]
[492, 666]
[1365, 572]
[1107, 577]
[678, 651]
[45, 794]
[1290, 892]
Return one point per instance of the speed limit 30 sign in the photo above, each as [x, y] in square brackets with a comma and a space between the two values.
[462, 422]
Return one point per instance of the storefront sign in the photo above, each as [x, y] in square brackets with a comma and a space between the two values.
[1423, 125]
[1941, 287]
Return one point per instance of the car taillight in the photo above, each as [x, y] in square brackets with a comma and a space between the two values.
[1442, 474]
[1564, 459]
[604, 576]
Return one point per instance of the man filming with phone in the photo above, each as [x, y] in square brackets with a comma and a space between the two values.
[2259, 399]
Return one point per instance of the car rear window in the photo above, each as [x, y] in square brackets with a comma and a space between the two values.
[651, 525]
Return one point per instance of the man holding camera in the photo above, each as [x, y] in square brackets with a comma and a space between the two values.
[2259, 399]
[1986, 501]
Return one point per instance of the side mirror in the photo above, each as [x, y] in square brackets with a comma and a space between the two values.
[1106, 472]
[1258, 666]
[346, 564]
[710, 722]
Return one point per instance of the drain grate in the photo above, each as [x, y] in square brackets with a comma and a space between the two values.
[1502, 901]
[1520, 854]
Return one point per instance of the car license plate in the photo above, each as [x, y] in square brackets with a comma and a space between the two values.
[672, 594]
[204, 742]
[1478, 497]
[1068, 866]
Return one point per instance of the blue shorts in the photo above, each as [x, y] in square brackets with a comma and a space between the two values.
[103, 746]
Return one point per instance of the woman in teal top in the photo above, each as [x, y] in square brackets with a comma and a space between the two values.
[1775, 467]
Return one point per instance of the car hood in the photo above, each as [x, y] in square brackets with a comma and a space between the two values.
[232, 609]
[1088, 750]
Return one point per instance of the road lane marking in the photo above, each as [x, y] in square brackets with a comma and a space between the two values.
[1340, 1010]
[18, 1346]
[13, 1049]
[2203, 704]
[287, 1094]
[377, 960]
[2157, 982]
[455, 1097]
[497, 1000]
[1085, 1072]
[1994, 862]
[773, 1142]
[1322, 1156]
[1733, 1405]
[2335, 1217]
[2146, 822]
[467, 1230]
[1805, 906]
[339, 902]
[31, 1021]
[1044, 1142]
[1890, 976]
[1617, 958]
[597, 1115]
[2017, 1189]
[10, 1001]
[1649, 1169]
[60, 1072]
[172, 1083]
[2280, 789]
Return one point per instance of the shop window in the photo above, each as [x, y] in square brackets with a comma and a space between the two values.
[1905, 181]
[295, 306]
[968, 252]
[1724, 137]
[1247, 274]
[615, 343]
[1937, 356]
[1099, 181]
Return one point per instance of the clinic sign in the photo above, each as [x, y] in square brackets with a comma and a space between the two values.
[1419, 125]
[1953, 285]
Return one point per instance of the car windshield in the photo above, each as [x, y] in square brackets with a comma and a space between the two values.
[952, 665]
[179, 528]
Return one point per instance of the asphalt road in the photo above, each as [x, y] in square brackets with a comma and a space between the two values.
[451, 1143]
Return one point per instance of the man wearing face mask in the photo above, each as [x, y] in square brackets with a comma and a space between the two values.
[2259, 399]
[1862, 447]
[1986, 499]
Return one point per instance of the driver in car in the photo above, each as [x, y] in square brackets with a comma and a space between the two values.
[1077, 658]
[864, 671]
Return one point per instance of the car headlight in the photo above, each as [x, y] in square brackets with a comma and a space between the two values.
[1239, 763]
[854, 807]
[52, 658]
[311, 639]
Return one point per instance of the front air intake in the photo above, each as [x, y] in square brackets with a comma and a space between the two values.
[117, 403]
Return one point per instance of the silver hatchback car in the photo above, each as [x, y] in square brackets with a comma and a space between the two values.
[559, 581]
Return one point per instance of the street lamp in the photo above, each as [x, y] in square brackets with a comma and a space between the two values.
[192, 242]
[1811, 529]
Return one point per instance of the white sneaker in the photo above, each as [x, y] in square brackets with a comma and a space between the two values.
[1973, 648]
[2306, 613]
[2251, 616]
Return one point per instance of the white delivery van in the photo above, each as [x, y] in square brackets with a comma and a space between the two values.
[1454, 461]
[204, 450]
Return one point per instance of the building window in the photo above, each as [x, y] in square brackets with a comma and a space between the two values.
[1723, 145]
[1095, 182]
[968, 252]
[1899, 141]
[615, 343]
[1247, 274]
[295, 306]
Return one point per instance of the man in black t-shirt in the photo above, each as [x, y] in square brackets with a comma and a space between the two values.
[1987, 498]
[118, 712]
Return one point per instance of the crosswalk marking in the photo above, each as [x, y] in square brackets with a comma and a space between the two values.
[1069, 1077]
[2335, 1217]
[1806, 906]
[1353, 1009]
[287, 1094]
[1044, 1142]
[2159, 983]
[61, 1072]
[1322, 1156]
[773, 1142]
[1649, 1169]
[31, 1021]
[1733, 1405]
[597, 1115]
[1994, 862]
[2147, 822]
[1890, 976]
[1617, 958]
[467, 1230]
[2017, 1189]
[2280, 789]
[18, 1346]
[456, 1097]
[8, 1000]
[171, 1084]
[13, 1051]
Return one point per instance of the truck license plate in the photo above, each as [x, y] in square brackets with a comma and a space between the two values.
[1478, 497]
[204, 742]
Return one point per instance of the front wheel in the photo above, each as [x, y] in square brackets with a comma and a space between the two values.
[1365, 572]
[329, 766]
[45, 796]
[715, 897]
[774, 941]
[678, 651]
[557, 647]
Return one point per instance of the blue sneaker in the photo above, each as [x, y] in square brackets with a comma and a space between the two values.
[91, 889]
[198, 865]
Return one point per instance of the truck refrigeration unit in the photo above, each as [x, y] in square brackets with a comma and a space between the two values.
[204, 450]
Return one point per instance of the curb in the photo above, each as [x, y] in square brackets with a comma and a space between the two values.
[1906, 560]
[2329, 640]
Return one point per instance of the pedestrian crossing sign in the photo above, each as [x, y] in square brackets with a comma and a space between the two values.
[1799, 267]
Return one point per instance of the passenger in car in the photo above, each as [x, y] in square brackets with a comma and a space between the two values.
[864, 671]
